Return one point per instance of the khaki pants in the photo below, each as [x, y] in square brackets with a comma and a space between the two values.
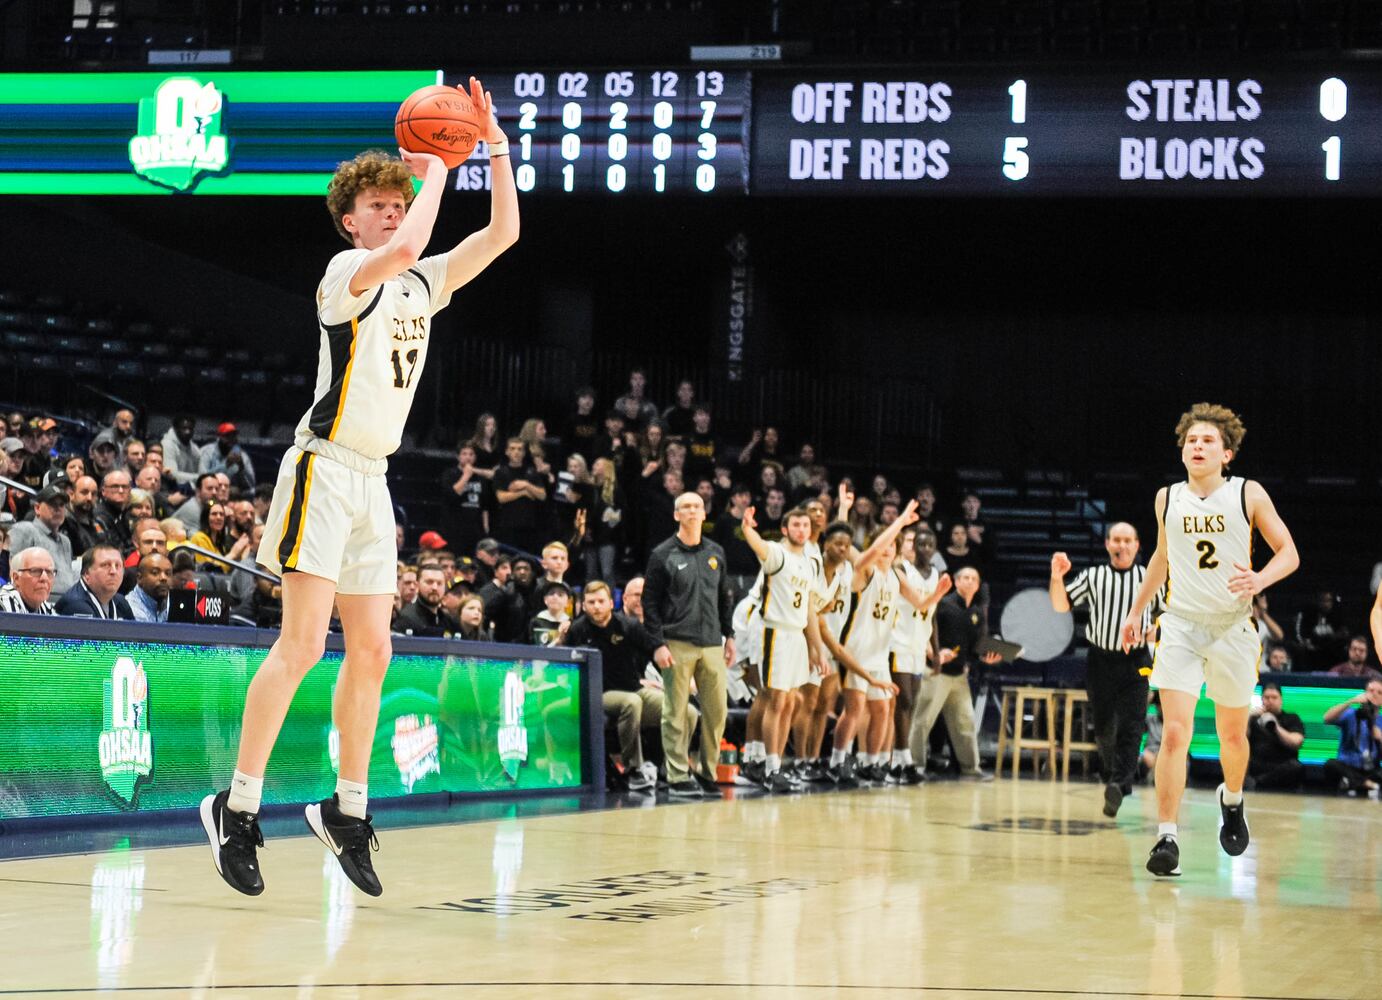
[634, 711]
[706, 664]
[942, 694]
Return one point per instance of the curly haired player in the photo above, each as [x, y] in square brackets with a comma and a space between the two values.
[330, 528]
[1207, 636]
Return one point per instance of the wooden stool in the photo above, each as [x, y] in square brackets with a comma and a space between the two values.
[1070, 700]
[1018, 697]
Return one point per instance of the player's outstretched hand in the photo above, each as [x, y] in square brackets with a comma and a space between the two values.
[1060, 564]
[944, 584]
[1131, 632]
[1245, 582]
[421, 163]
[484, 102]
[748, 519]
[909, 513]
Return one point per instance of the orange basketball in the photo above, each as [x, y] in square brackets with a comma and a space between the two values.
[439, 120]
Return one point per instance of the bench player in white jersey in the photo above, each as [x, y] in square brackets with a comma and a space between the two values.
[330, 527]
[790, 598]
[912, 640]
[808, 695]
[862, 649]
[836, 542]
[755, 756]
[1207, 636]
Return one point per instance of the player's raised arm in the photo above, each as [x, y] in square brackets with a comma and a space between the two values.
[874, 552]
[395, 233]
[1131, 633]
[755, 540]
[478, 250]
[1285, 560]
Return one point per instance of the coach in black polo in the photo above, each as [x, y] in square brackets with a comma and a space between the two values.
[1116, 681]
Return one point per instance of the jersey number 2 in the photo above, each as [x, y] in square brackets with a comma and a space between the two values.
[1206, 550]
[399, 382]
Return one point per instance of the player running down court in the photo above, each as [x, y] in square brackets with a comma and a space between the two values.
[1207, 636]
[330, 528]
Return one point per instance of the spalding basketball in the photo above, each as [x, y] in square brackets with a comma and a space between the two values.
[439, 120]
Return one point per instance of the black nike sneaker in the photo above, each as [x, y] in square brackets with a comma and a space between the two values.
[781, 783]
[843, 774]
[234, 837]
[1165, 857]
[1233, 834]
[910, 774]
[1113, 798]
[348, 838]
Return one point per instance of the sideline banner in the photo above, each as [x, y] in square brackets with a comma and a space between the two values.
[105, 724]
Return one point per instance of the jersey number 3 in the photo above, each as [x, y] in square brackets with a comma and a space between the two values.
[399, 382]
[1206, 550]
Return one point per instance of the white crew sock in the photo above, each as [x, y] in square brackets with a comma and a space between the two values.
[906, 758]
[352, 798]
[1166, 830]
[1231, 798]
[756, 751]
[837, 757]
[245, 793]
[899, 758]
[774, 763]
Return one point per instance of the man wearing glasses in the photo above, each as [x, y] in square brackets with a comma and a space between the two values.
[110, 512]
[45, 532]
[33, 583]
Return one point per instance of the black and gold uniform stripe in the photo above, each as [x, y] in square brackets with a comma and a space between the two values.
[294, 522]
[341, 339]
[769, 634]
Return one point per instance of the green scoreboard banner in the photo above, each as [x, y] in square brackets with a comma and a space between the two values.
[197, 131]
[1297, 697]
[98, 725]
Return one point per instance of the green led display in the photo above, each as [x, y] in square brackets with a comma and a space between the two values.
[89, 727]
[193, 131]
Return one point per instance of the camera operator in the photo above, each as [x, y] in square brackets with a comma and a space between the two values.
[1356, 766]
[1274, 739]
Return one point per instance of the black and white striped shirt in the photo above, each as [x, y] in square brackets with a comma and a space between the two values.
[13, 603]
[1109, 593]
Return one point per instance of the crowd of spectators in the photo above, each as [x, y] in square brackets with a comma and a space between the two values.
[526, 522]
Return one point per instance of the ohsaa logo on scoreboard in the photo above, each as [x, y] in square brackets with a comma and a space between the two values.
[126, 747]
[179, 134]
[513, 735]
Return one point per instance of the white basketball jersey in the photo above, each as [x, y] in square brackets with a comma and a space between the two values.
[1204, 538]
[835, 597]
[373, 348]
[870, 623]
[791, 581]
[912, 630]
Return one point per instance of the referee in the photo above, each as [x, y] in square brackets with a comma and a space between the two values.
[1116, 681]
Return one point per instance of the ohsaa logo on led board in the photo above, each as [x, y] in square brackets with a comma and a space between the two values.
[179, 137]
[513, 735]
[126, 747]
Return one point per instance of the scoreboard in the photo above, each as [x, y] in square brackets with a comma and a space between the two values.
[1309, 127]
[1109, 132]
[617, 131]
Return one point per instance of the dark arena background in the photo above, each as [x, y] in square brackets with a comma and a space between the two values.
[982, 253]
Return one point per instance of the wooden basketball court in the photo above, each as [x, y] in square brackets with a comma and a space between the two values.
[1015, 890]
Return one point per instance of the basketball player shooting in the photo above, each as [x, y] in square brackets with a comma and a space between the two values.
[330, 527]
[1207, 637]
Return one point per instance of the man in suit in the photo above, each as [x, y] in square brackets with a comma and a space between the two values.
[97, 593]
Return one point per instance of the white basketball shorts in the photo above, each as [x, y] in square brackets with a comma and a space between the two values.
[1221, 657]
[332, 521]
[904, 663]
[785, 663]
